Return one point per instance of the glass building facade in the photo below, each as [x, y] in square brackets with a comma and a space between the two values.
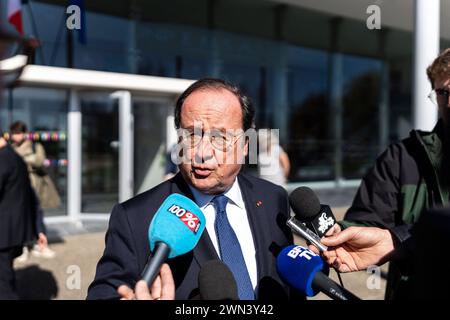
[338, 92]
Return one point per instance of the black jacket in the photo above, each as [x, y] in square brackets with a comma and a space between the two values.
[408, 178]
[16, 201]
[127, 246]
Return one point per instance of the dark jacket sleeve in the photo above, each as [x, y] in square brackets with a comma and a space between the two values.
[118, 265]
[376, 202]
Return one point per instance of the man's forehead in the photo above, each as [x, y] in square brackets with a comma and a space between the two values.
[442, 81]
[213, 96]
[212, 105]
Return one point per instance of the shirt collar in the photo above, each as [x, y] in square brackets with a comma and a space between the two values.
[233, 194]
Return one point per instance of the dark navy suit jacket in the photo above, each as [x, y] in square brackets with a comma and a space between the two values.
[127, 247]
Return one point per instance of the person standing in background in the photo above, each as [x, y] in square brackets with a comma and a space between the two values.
[273, 161]
[33, 154]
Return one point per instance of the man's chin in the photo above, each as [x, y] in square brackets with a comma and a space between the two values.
[207, 185]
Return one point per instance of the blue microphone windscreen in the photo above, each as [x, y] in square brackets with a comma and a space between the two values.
[297, 266]
[179, 223]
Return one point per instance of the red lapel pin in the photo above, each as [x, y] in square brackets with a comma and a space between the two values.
[258, 203]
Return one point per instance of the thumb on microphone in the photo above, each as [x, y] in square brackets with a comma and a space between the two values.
[163, 288]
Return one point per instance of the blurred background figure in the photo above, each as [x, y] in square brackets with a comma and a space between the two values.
[171, 168]
[16, 215]
[47, 196]
[16, 194]
[273, 161]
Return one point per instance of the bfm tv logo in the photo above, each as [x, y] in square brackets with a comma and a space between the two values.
[301, 252]
[187, 217]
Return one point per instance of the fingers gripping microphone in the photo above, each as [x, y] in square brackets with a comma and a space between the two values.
[175, 230]
[216, 282]
[302, 269]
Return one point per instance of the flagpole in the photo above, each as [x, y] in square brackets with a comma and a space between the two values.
[33, 25]
[10, 107]
[57, 39]
[69, 48]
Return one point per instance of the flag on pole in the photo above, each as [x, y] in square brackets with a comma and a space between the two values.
[15, 14]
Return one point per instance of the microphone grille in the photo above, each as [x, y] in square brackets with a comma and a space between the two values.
[216, 282]
[304, 202]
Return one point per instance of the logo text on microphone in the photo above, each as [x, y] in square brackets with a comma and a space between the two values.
[302, 252]
[325, 222]
[187, 217]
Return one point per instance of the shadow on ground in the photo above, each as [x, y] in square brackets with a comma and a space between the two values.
[34, 283]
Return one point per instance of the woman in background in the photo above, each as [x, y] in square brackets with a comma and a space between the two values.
[273, 161]
[33, 154]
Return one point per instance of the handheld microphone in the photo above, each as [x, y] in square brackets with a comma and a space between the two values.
[302, 269]
[308, 209]
[312, 220]
[175, 230]
[216, 282]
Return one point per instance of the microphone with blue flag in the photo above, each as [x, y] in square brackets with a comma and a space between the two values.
[175, 230]
[304, 270]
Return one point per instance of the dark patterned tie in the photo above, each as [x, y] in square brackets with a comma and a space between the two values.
[230, 250]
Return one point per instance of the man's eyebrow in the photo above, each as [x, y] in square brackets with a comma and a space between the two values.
[221, 129]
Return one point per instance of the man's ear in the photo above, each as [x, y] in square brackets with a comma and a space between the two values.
[246, 147]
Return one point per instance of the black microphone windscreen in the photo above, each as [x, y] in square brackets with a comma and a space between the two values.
[216, 282]
[304, 202]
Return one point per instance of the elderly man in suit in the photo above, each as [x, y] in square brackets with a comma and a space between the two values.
[245, 216]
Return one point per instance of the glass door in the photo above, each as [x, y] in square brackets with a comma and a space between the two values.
[154, 133]
[100, 152]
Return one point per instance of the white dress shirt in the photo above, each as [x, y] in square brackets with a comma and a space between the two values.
[237, 216]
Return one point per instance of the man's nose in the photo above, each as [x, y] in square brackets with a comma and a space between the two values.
[204, 151]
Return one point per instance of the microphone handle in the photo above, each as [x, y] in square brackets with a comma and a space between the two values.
[155, 261]
[300, 229]
[324, 284]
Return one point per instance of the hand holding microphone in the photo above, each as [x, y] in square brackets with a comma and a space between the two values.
[163, 288]
[302, 269]
[357, 248]
[174, 230]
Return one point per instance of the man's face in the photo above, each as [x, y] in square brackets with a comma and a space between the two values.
[443, 83]
[210, 169]
[18, 138]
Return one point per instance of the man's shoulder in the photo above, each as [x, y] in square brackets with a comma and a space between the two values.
[10, 158]
[404, 149]
[260, 185]
[149, 198]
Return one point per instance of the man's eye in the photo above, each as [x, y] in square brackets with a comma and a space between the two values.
[442, 92]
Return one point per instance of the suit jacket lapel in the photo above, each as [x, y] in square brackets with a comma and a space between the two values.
[257, 223]
[204, 251]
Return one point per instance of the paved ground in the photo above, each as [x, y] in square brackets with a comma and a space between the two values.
[68, 275]
[78, 248]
